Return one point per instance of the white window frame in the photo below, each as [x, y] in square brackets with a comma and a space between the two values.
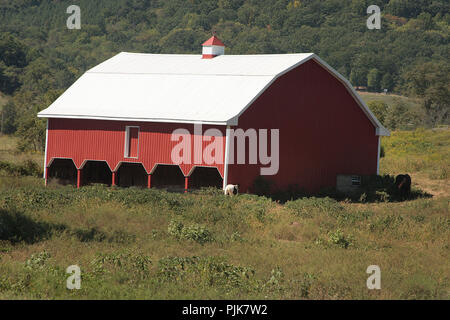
[127, 142]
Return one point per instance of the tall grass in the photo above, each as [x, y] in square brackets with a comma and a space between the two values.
[424, 151]
[151, 244]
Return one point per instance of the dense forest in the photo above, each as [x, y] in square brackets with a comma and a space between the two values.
[40, 57]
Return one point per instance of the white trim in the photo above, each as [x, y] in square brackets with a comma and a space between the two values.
[127, 143]
[45, 157]
[378, 156]
[227, 154]
[84, 117]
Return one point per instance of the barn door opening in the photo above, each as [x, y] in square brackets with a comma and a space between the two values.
[131, 142]
[205, 177]
[168, 176]
[131, 174]
[63, 171]
[97, 172]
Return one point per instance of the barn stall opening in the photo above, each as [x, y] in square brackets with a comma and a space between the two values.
[131, 175]
[205, 177]
[63, 171]
[168, 176]
[95, 171]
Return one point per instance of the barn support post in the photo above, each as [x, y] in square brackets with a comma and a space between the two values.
[186, 184]
[45, 156]
[79, 177]
[114, 179]
[149, 181]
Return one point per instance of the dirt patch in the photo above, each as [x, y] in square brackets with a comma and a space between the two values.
[437, 187]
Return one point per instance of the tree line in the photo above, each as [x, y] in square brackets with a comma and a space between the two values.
[40, 57]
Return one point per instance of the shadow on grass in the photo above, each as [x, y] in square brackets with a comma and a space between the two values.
[373, 189]
[16, 227]
[88, 235]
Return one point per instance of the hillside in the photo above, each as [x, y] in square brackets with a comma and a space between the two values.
[40, 57]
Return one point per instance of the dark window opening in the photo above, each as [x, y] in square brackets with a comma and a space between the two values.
[131, 174]
[167, 176]
[63, 171]
[96, 172]
[356, 180]
[205, 177]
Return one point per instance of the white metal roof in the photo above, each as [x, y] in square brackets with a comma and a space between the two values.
[178, 88]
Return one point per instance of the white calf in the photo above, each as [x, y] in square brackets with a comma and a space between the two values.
[231, 189]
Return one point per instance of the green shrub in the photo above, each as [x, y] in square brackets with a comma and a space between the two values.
[208, 271]
[37, 261]
[192, 232]
[128, 261]
[338, 238]
[27, 168]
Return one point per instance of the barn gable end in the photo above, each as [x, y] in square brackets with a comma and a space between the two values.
[323, 130]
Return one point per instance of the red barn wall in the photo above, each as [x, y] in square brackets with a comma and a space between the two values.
[82, 140]
[323, 131]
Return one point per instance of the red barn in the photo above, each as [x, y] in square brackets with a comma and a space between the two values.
[122, 122]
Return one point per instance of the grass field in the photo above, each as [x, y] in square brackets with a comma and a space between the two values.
[389, 99]
[150, 244]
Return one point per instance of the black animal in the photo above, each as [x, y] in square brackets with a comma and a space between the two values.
[403, 185]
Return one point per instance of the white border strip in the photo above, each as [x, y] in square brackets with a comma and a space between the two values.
[46, 143]
[227, 155]
[378, 157]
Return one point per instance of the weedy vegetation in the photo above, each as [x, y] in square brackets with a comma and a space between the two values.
[133, 243]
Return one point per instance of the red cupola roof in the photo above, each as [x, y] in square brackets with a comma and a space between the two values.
[213, 41]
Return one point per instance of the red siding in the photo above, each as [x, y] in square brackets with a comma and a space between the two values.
[83, 140]
[323, 131]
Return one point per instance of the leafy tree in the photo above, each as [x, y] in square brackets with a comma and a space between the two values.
[379, 109]
[387, 82]
[400, 117]
[358, 77]
[431, 82]
[373, 80]
[8, 118]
